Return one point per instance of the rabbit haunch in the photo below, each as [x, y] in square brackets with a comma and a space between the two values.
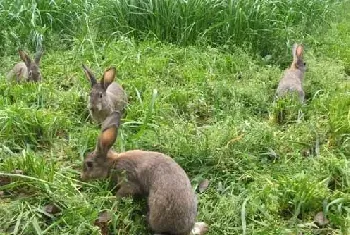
[28, 70]
[293, 77]
[106, 95]
[172, 202]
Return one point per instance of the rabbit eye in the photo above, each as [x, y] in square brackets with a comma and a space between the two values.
[304, 64]
[89, 164]
[100, 94]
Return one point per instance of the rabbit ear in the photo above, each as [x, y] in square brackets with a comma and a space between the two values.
[89, 75]
[38, 57]
[106, 140]
[297, 51]
[108, 77]
[109, 133]
[26, 59]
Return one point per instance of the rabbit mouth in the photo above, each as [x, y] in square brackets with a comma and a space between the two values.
[98, 107]
[95, 108]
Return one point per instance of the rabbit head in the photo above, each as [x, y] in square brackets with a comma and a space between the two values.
[298, 61]
[98, 163]
[33, 67]
[98, 94]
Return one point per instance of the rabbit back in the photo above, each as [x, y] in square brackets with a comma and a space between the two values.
[19, 72]
[171, 200]
[293, 77]
[116, 97]
[291, 82]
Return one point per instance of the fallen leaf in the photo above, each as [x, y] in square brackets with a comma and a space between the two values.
[320, 219]
[51, 209]
[203, 185]
[4, 180]
[104, 217]
[102, 222]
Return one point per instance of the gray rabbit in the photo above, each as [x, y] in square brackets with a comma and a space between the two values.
[28, 70]
[293, 77]
[106, 96]
[172, 202]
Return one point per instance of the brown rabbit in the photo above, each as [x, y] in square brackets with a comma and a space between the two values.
[172, 202]
[293, 77]
[28, 70]
[106, 96]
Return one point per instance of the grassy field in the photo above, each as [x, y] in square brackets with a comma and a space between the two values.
[203, 96]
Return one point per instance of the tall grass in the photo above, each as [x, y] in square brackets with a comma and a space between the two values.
[266, 27]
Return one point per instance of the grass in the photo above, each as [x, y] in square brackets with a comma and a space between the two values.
[208, 107]
[266, 28]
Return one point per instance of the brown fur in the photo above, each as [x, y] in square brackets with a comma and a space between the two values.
[106, 96]
[28, 70]
[293, 77]
[172, 202]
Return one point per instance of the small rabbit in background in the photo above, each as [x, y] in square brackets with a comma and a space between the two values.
[106, 96]
[28, 70]
[172, 202]
[293, 77]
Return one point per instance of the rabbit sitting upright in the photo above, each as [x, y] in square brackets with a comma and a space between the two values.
[106, 96]
[293, 77]
[28, 70]
[172, 203]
